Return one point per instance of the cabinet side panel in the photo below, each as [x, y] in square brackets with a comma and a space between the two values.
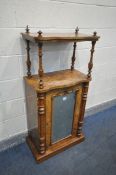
[32, 117]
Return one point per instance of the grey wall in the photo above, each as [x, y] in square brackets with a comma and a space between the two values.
[53, 16]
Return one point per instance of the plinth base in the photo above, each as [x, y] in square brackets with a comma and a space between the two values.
[55, 148]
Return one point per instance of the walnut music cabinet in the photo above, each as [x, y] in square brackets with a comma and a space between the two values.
[57, 99]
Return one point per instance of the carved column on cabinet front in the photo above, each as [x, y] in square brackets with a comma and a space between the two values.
[41, 122]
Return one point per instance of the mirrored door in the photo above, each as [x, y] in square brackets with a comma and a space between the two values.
[63, 110]
[62, 115]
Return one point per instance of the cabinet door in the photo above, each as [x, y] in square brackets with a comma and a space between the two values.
[62, 114]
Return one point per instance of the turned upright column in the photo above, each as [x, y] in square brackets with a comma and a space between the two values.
[85, 88]
[28, 55]
[41, 123]
[74, 50]
[41, 102]
[90, 64]
[82, 111]
[40, 71]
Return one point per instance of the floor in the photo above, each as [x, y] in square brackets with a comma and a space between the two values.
[95, 156]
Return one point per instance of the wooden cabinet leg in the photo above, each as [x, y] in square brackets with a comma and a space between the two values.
[83, 103]
[41, 123]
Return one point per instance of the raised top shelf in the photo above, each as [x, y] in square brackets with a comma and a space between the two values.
[69, 37]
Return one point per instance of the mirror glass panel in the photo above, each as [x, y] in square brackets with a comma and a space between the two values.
[62, 116]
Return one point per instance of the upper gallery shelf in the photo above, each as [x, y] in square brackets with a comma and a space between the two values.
[69, 37]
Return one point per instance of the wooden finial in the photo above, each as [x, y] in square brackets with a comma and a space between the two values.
[27, 29]
[39, 33]
[76, 30]
[94, 33]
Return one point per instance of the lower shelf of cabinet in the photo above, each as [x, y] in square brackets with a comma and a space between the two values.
[55, 148]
